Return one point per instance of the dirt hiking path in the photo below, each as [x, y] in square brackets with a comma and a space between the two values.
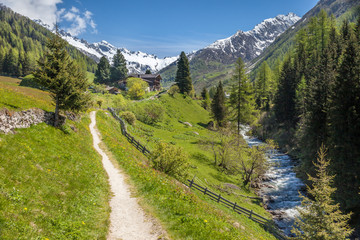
[127, 220]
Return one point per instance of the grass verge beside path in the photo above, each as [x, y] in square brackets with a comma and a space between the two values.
[182, 213]
[52, 185]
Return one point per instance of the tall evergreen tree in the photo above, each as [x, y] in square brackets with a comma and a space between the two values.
[320, 218]
[284, 104]
[205, 99]
[10, 63]
[102, 74]
[118, 69]
[183, 78]
[241, 98]
[218, 107]
[148, 71]
[345, 124]
[264, 87]
[59, 74]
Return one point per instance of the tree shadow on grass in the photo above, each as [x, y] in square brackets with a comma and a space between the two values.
[10, 105]
[204, 125]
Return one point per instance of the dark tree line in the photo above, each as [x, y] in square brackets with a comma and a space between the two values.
[319, 97]
[23, 42]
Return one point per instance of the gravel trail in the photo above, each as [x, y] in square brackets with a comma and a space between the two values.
[127, 219]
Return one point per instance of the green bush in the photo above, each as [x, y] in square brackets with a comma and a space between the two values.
[171, 160]
[137, 88]
[149, 112]
[128, 117]
[173, 90]
[119, 102]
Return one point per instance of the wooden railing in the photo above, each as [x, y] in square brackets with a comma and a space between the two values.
[268, 224]
[130, 138]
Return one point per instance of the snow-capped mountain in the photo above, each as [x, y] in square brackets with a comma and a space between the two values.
[137, 62]
[250, 44]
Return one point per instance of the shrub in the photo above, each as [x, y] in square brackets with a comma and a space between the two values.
[99, 102]
[99, 88]
[171, 160]
[149, 112]
[137, 88]
[119, 102]
[128, 117]
[173, 90]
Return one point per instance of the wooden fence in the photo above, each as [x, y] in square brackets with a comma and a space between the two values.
[268, 224]
[130, 138]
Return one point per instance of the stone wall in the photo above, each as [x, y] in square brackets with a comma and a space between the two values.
[10, 120]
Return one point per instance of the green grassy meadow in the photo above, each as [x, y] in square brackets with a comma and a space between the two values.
[52, 184]
[179, 109]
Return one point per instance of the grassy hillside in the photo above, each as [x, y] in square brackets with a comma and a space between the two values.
[52, 184]
[184, 214]
[203, 73]
[171, 211]
[179, 109]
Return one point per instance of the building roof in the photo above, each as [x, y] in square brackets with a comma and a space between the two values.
[145, 76]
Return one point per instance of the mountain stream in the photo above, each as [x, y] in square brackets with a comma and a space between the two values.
[280, 187]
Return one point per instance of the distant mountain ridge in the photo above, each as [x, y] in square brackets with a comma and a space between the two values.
[250, 44]
[137, 62]
[211, 63]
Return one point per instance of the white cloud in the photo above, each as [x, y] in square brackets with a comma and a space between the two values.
[74, 10]
[79, 22]
[74, 21]
[35, 9]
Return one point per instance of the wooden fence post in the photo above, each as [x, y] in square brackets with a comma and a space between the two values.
[251, 214]
[205, 191]
[191, 183]
[234, 206]
[219, 198]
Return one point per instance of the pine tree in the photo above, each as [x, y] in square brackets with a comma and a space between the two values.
[183, 78]
[59, 74]
[102, 74]
[241, 97]
[264, 87]
[345, 124]
[10, 63]
[148, 71]
[218, 107]
[285, 99]
[118, 69]
[320, 218]
[205, 99]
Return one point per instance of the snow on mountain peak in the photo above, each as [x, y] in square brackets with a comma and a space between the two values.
[137, 62]
[259, 38]
[280, 20]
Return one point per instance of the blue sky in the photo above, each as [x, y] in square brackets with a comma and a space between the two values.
[160, 27]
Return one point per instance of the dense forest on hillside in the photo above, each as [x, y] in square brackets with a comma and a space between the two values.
[23, 42]
[342, 10]
[317, 102]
